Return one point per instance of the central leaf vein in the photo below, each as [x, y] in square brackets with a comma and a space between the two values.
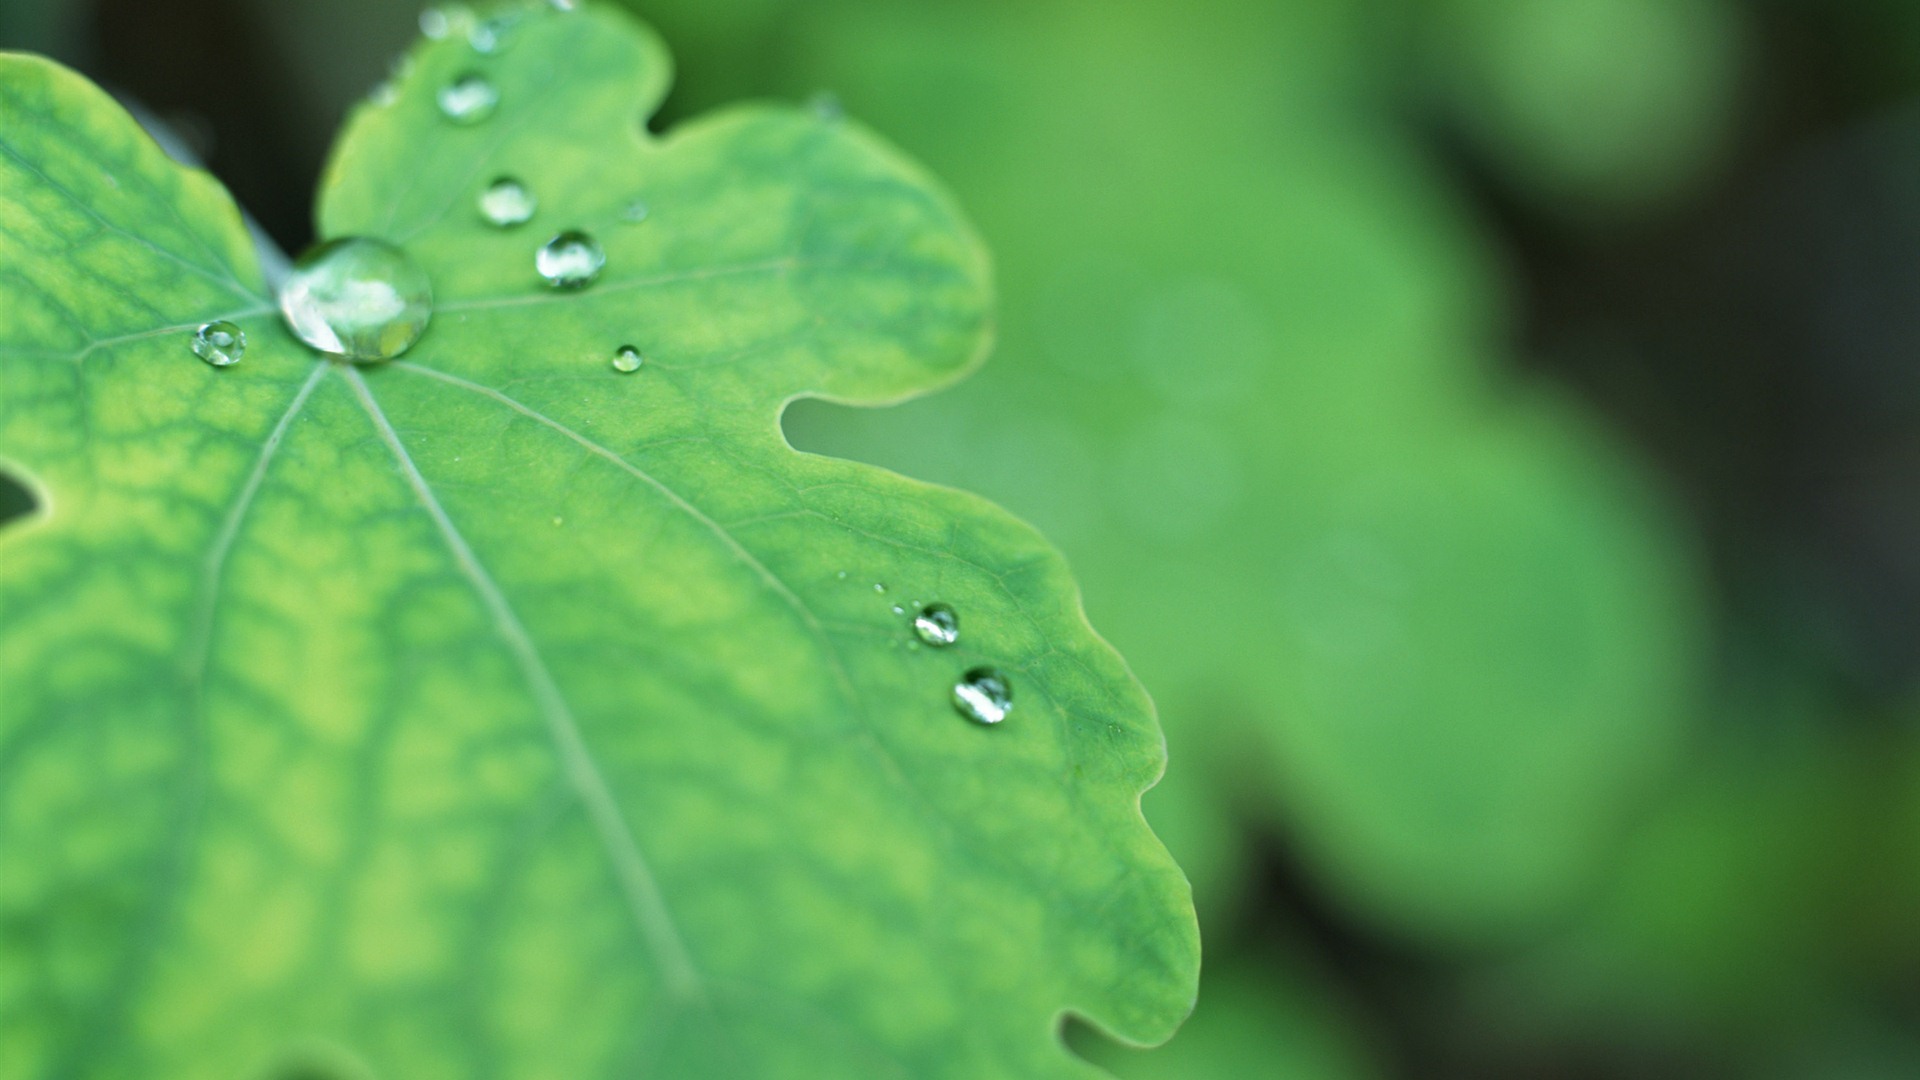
[637, 880]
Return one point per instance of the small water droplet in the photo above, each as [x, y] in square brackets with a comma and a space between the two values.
[564, 5]
[627, 360]
[507, 202]
[636, 211]
[570, 261]
[493, 34]
[469, 99]
[898, 610]
[938, 625]
[221, 344]
[385, 95]
[358, 298]
[878, 587]
[842, 575]
[436, 22]
[983, 695]
[825, 106]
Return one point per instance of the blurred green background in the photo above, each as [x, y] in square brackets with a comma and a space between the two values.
[1487, 426]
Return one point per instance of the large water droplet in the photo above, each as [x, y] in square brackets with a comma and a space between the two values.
[570, 261]
[627, 360]
[358, 298]
[937, 625]
[507, 202]
[983, 695]
[469, 99]
[220, 343]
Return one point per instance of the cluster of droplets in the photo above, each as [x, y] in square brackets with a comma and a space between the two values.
[572, 259]
[362, 299]
[982, 694]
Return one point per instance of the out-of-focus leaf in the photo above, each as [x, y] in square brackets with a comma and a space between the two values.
[1256, 345]
[1591, 107]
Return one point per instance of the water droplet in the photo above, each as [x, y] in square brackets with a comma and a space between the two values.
[938, 625]
[825, 106]
[983, 695]
[570, 261]
[358, 298]
[469, 99]
[564, 5]
[842, 575]
[627, 360]
[436, 23]
[636, 211]
[878, 587]
[493, 34]
[898, 610]
[385, 95]
[507, 202]
[220, 343]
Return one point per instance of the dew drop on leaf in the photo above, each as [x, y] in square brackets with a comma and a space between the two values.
[879, 587]
[436, 23]
[937, 625]
[220, 343]
[469, 99]
[492, 35]
[983, 695]
[826, 107]
[359, 298]
[636, 212]
[570, 261]
[507, 202]
[627, 360]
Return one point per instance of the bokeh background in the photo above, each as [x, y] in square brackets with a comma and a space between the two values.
[1491, 429]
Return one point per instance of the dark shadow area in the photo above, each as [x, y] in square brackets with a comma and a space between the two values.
[1758, 342]
[239, 114]
[17, 500]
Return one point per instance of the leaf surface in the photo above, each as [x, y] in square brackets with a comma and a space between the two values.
[1435, 626]
[492, 713]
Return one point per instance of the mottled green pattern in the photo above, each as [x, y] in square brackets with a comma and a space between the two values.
[492, 714]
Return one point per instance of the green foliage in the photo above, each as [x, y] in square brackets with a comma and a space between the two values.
[1435, 629]
[1260, 1017]
[1592, 108]
[492, 713]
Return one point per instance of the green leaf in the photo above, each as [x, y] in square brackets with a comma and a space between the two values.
[1436, 627]
[491, 713]
[1259, 1015]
